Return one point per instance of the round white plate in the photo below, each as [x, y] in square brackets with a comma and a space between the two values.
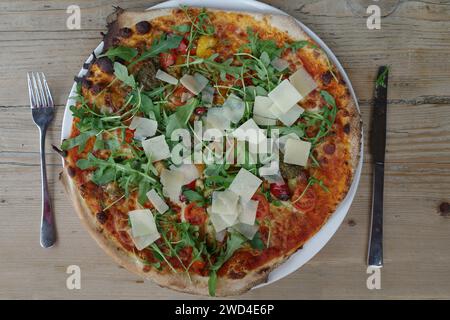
[318, 241]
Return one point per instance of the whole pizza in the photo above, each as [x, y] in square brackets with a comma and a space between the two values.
[208, 146]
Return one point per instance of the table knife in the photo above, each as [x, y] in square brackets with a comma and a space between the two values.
[378, 148]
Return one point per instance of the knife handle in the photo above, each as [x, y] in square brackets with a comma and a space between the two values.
[375, 254]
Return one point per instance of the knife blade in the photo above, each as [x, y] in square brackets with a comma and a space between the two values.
[378, 151]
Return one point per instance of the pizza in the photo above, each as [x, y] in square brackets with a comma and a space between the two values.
[208, 146]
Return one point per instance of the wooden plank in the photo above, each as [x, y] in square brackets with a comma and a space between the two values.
[413, 40]
[415, 238]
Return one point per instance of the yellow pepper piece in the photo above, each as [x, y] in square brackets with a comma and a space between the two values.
[204, 46]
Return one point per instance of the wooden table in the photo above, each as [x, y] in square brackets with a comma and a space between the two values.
[414, 39]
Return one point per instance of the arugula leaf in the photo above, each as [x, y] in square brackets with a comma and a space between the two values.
[234, 242]
[180, 117]
[163, 44]
[127, 174]
[79, 141]
[257, 242]
[298, 129]
[183, 28]
[121, 73]
[125, 53]
[258, 45]
[328, 98]
[324, 119]
[265, 59]
[194, 196]
[104, 175]
[300, 44]
[311, 181]
[209, 66]
[217, 175]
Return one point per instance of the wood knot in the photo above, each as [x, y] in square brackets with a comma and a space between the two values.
[444, 209]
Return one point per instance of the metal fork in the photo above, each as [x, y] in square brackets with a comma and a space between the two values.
[42, 109]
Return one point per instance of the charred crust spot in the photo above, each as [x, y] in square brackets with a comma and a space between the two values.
[78, 79]
[113, 28]
[62, 153]
[71, 171]
[326, 77]
[263, 270]
[444, 209]
[143, 27]
[125, 32]
[102, 217]
[83, 190]
[236, 274]
[86, 83]
[323, 161]
[96, 88]
[329, 148]
[115, 41]
[347, 128]
[105, 64]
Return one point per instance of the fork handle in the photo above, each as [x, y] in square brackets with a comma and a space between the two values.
[48, 232]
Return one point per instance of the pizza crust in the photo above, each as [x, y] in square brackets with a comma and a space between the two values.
[180, 282]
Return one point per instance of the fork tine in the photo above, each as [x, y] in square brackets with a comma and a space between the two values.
[30, 92]
[47, 91]
[41, 90]
[36, 91]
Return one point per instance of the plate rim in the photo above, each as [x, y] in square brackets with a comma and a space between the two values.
[324, 235]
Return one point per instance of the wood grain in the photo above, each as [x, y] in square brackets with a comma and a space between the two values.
[414, 40]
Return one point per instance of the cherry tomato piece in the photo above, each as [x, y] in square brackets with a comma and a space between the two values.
[263, 206]
[307, 202]
[166, 59]
[194, 214]
[280, 191]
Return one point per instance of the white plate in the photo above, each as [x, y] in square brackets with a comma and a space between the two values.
[318, 241]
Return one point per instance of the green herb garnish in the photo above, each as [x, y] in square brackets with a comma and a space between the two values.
[234, 242]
